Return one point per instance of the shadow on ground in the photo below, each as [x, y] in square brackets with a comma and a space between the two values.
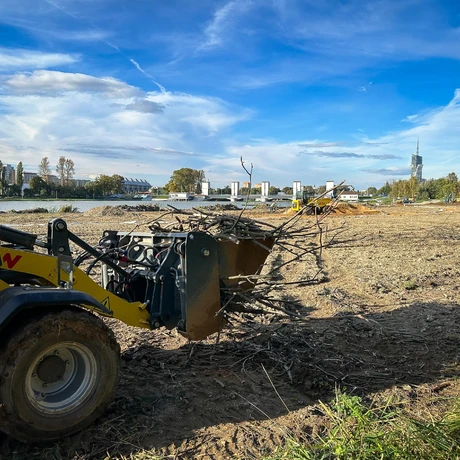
[176, 401]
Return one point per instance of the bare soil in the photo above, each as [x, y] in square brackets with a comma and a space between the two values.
[385, 320]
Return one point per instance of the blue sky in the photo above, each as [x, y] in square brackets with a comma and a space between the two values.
[305, 90]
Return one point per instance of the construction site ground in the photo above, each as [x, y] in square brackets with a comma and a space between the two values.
[384, 320]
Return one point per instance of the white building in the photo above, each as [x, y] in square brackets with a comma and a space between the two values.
[329, 189]
[296, 188]
[205, 186]
[265, 187]
[235, 190]
[349, 196]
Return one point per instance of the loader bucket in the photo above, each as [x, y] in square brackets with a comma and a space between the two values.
[245, 258]
[210, 264]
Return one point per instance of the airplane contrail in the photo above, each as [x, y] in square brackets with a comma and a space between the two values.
[136, 64]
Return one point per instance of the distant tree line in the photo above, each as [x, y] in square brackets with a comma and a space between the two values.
[430, 189]
[44, 186]
[190, 180]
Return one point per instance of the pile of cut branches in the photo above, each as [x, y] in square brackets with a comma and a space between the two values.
[298, 240]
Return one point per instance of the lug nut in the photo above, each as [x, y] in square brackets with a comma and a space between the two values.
[206, 252]
[56, 352]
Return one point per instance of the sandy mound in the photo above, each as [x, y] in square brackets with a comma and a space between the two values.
[106, 211]
[354, 208]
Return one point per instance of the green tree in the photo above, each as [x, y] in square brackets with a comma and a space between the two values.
[60, 169]
[385, 190]
[14, 190]
[399, 189]
[287, 190]
[273, 190]
[412, 187]
[185, 180]
[38, 186]
[371, 191]
[94, 190]
[2, 183]
[69, 170]
[106, 185]
[20, 175]
[427, 190]
[3, 179]
[319, 190]
[44, 169]
[452, 186]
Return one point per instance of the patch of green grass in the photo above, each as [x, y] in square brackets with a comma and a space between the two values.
[358, 431]
[410, 285]
[67, 208]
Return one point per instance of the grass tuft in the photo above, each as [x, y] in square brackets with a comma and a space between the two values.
[358, 431]
[67, 208]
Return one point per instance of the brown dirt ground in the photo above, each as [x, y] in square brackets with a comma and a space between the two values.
[396, 288]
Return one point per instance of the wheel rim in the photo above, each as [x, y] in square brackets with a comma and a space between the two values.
[61, 378]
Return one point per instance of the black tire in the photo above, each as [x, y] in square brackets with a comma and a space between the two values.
[58, 373]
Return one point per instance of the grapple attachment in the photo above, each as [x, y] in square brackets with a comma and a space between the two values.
[181, 277]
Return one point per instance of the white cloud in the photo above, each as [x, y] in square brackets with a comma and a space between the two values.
[369, 29]
[107, 126]
[88, 35]
[53, 82]
[362, 163]
[17, 59]
[222, 19]
[332, 39]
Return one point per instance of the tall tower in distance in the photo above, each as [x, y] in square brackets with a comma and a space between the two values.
[416, 165]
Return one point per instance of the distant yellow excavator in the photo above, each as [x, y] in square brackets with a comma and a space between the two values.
[314, 204]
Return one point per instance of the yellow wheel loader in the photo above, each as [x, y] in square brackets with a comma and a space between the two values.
[59, 361]
[314, 205]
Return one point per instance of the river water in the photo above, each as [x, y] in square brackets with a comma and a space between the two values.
[85, 205]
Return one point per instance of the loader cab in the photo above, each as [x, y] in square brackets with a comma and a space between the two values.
[301, 199]
[305, 196]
